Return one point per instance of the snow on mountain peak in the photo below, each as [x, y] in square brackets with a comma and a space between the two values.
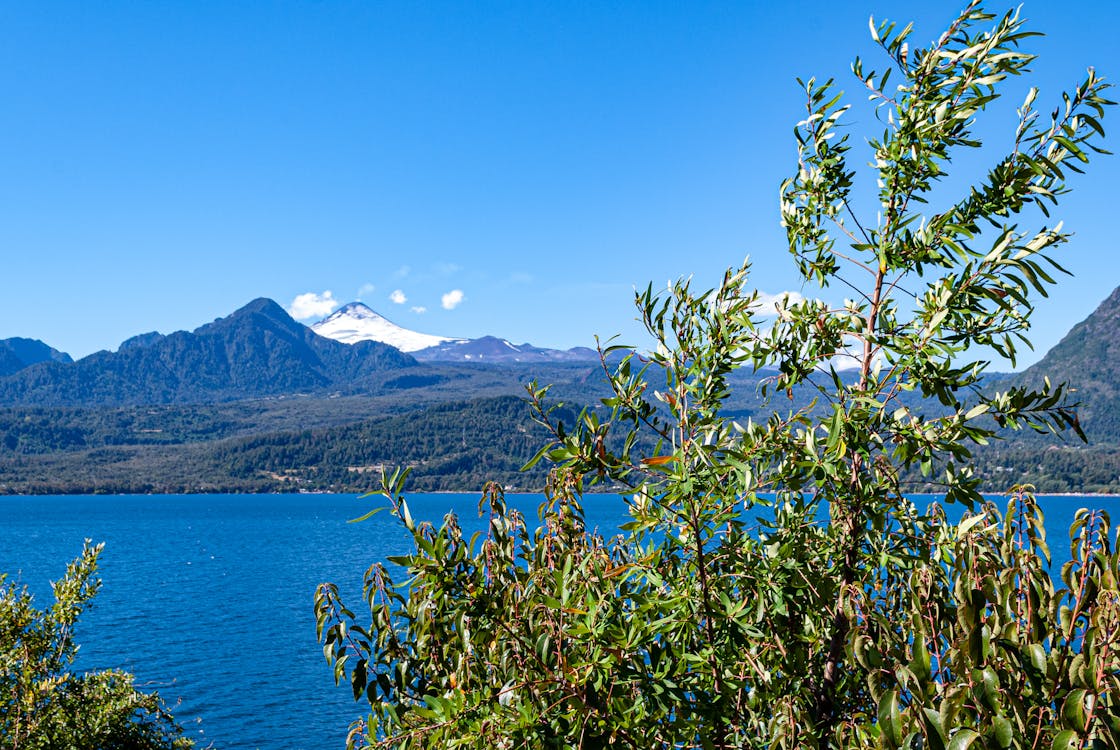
[357, 322]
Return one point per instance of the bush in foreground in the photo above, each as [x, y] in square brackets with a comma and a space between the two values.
[774, 588]
[45, 706]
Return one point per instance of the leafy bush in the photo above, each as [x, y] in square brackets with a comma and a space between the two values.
[774, 587]
[45, 706]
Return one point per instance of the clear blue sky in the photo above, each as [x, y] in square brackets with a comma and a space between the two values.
[163, 163]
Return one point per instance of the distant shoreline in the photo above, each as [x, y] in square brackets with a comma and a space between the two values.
[476, 491]
[1076, 494]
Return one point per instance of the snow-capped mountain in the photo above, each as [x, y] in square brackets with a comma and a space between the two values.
[493, 349]
[356, 322]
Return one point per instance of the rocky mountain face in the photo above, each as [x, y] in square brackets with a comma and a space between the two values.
[1088, 358]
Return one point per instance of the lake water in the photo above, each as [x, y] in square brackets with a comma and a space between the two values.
[208, 598]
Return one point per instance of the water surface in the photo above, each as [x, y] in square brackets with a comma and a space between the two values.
[208, 598]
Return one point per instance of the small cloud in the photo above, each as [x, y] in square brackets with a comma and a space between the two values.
[452, 299]
[850, 356]
[448, 269]
[397, 297]
[520, 277]
[366, 289]
[767, 304]
[401, 272]
[312, 305]
[419, 309]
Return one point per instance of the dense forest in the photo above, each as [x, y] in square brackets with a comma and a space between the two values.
[450, 446]
[456, 425]
[340, 445]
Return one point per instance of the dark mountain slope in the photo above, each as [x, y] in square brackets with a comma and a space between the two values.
[256, 351]
[141, 340]
[1088, 358]
[18, 353]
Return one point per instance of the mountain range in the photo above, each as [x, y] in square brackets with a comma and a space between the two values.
[257, 351]
[256, 401]
[356, 322]
[18, 353]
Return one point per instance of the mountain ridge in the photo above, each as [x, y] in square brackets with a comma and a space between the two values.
[1088, 357]
[17, 353]
[256, 401]
[356, 322]
[258, 350]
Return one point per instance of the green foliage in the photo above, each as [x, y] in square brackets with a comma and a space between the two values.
[773, 587]
[995, 655]
[43, 705]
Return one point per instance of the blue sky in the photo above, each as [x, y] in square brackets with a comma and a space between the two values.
[164, 163]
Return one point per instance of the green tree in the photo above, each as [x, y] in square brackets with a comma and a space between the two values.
[43, 705]
[774, 587]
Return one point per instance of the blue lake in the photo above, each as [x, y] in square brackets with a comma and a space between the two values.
[208, 598]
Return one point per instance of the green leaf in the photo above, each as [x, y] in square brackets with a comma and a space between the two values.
[366, 516]
[976, 411]
[920, 664]
[1064, 740]
[967, 523]
[1003, 732]
[1073, 710]
[405, 516]
[934, 731]
[890, 719]
[963, 738]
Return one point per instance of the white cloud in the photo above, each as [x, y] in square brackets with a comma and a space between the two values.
[419, 309]
[766, 304]
[448, 269]
[850, 357]
[365, 289]
[401, 272]
[397, 297]
[452, 299]
[312, 305]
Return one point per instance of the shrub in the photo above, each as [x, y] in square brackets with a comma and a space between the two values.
[46, 706]
[774, 587]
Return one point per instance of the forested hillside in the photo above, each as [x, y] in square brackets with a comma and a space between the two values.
[321, 415]
[451, 446]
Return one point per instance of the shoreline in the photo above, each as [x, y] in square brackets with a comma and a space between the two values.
[1075, 494]
[372, 493]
